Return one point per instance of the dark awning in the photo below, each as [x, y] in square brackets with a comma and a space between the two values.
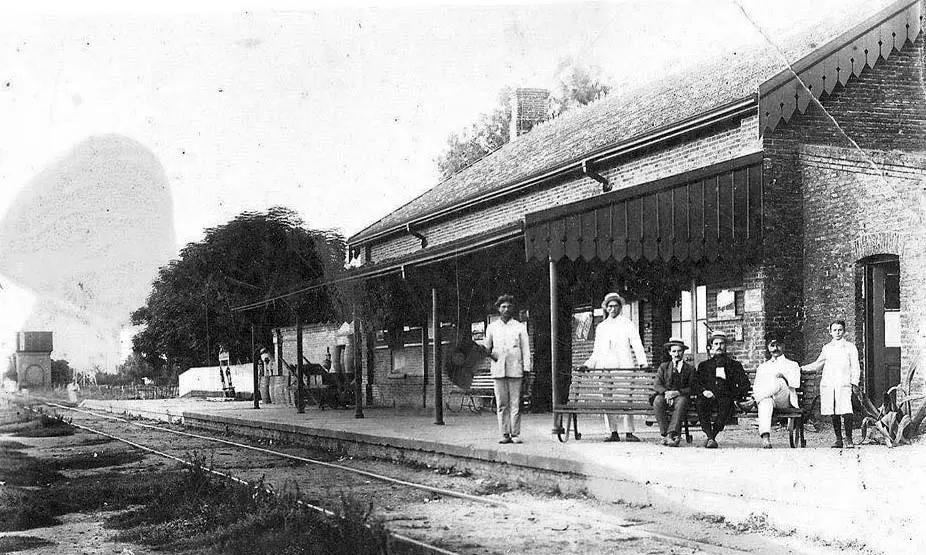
[694, 216]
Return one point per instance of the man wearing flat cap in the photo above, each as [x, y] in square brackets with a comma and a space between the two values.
[617, 345]
[672, 390]
[507, 344]
[719, 382]
[775, 386]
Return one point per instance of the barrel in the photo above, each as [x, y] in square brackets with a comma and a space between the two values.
[264, 388]
[278, 390]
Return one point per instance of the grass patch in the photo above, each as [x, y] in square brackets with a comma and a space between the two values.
[178, 510]
[36, 493]
[41, 425]
[13, 544]
[205, 515]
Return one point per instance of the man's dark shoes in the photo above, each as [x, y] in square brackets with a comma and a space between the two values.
[506, 439]
[674, 441]
[665, 440]
[707, 443]
[849, 444]
[631, 438]
[712, 444]
[613, 437]
[837, 444]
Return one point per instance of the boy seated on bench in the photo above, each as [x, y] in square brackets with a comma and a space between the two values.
[775, 386]
[671, 392]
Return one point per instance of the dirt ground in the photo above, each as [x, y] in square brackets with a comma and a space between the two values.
[529, 520]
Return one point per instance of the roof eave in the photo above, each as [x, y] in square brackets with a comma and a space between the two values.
[736, 109]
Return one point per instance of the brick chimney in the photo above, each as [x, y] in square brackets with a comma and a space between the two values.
[528, 108]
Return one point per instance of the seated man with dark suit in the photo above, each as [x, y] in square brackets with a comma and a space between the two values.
[719, 382]
[672, 387]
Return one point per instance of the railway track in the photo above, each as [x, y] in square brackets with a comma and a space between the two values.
[418, 524]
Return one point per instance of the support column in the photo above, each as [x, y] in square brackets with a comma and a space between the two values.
[554, 339]
[254, 362]
[424, 364]
[358, 368]
[300, 395]
[438, 379]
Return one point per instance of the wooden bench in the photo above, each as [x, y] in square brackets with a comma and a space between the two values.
[483, 387]
[794, 416]
[621, 391]
[626, 391]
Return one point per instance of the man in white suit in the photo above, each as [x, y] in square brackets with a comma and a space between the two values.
[508, 346]
[617, 345]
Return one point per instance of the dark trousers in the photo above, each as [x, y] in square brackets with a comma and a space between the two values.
[723, 406]
[678, 410]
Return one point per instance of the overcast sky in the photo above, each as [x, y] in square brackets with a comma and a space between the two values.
[337, 112]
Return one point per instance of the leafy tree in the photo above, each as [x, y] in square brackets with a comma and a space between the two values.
[488, 134]
[575, 84]
[255, 256]
[136, 368]
[61, 372]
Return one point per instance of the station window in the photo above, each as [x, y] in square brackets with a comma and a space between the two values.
[686, 322]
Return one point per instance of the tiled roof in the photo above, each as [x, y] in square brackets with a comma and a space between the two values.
[624, 116]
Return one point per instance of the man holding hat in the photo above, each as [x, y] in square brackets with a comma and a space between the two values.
[719, 382]
[617, 345]
[672, 387]
[507, 344]
[775, 386]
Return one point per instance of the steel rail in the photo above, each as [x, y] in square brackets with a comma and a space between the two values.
[366, 473]
[671, 539]
[395, 535]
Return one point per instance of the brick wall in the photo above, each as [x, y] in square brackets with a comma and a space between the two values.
[858, 204]
[702, 151]
[819, 209]
[316, 340]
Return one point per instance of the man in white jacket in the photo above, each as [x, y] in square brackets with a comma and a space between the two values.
[774, 387]
[507, 344]
[841, 371]
[617, 345]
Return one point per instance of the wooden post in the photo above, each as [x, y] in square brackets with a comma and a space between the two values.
[358, 368]
[554, 339]
[300, 396]
[424, 364]
[254, 362]
[438, 380]
[279, 353]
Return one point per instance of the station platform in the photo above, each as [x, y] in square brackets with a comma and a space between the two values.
[869, 497]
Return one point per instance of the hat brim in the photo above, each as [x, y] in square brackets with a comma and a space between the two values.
[674, 344]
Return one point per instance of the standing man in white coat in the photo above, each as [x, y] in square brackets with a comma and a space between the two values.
[841, 371]
[617, 345]
[508, 346]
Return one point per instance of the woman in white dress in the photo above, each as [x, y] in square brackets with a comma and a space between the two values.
[841, 371]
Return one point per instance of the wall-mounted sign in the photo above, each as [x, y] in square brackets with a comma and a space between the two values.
[726, 304]
[752, 300]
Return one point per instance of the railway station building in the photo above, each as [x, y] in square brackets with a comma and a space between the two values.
[744, 194]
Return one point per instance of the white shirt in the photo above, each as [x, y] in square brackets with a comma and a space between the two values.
[766, 383]
[509, 342]
[839, 360]
[617, 344]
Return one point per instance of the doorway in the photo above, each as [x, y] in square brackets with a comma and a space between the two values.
[882, 325]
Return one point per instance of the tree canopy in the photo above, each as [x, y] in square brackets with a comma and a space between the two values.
[256, 256]
[575, 84]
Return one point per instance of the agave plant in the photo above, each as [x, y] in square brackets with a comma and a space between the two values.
[894, 421]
